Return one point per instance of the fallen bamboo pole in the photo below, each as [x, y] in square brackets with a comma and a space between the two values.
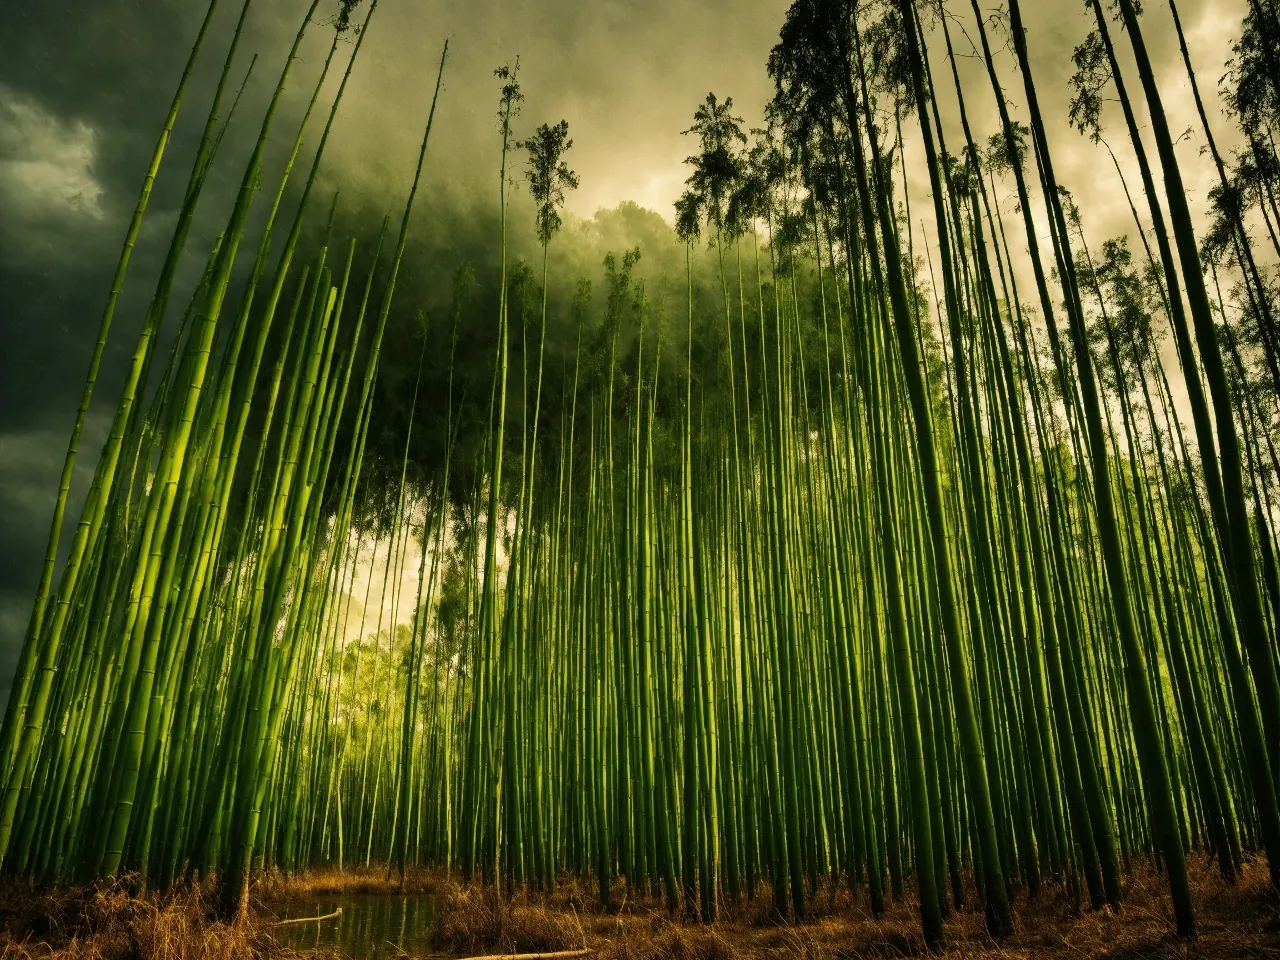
[553, 955]
[327, 916]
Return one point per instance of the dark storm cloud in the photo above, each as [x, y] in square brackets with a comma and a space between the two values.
[84, 85]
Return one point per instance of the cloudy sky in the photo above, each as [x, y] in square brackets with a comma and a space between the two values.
[84, 86]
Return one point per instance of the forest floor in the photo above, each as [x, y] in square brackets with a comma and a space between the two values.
[111, 924]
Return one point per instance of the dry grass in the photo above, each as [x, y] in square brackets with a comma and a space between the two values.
[110, 924]
[477, 920]
[275, 886]
[1235, 922]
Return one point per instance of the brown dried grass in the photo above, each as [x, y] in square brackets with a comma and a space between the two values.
[274, 886]
[110, 923]
[1235, 923]
[474, 919]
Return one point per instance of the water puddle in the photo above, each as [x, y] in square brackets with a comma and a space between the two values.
[370, 927]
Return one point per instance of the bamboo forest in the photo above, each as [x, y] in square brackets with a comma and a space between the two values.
[868, 538]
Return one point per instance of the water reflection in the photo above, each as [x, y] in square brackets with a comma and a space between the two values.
[370, 927]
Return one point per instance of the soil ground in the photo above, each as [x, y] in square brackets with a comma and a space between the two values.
[114, 923]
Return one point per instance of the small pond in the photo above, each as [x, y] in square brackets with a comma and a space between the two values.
[370, 927]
